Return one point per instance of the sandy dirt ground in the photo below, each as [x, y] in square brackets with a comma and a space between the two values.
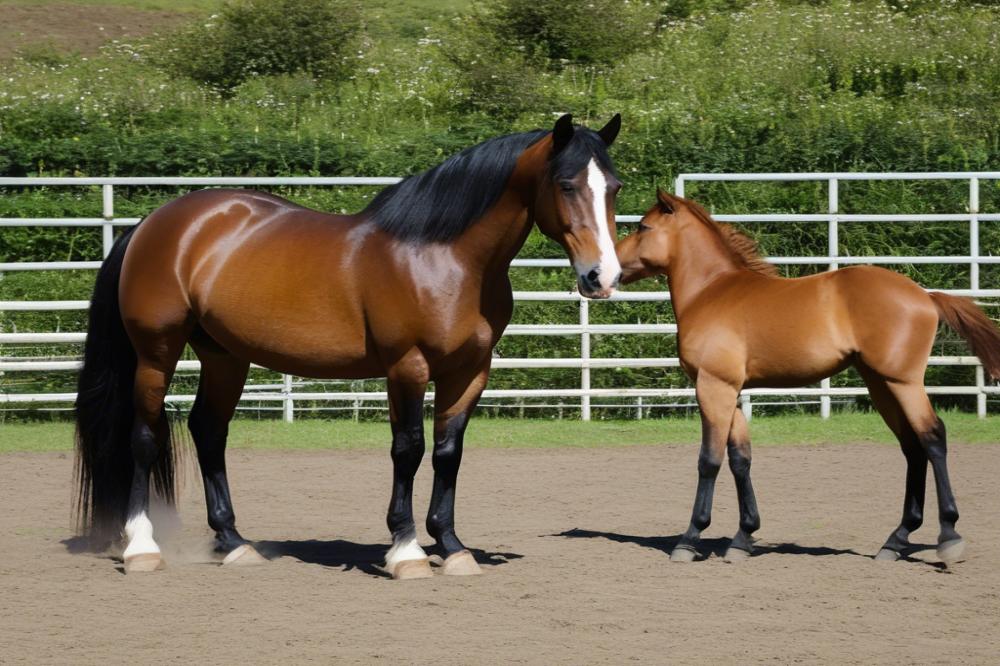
[78, 29]
[574, 547]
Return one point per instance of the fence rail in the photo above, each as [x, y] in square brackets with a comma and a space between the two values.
[290, 391]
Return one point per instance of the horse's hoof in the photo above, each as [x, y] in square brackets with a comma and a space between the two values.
[733, 555]
[244, 556]
[412, 569]
[952, 551]
[144, 562]
[683, 554]
[887, 555]
[461, 563]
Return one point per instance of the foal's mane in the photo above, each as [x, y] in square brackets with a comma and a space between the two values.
[439, 204]
[743, 248]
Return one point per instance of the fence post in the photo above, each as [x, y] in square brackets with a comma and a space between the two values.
[679, 186]
[832, 251]
[974, 281]
[585, 358]
[108, 229]
[288, 402]
[746, 406]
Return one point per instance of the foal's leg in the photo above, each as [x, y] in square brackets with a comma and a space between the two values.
[405, 559]
[455, 398]
[717, 401]
[930, 433]
[219, 389]
[916, 464]
[738, 447]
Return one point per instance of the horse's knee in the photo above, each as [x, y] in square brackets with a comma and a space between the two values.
[935, 442]
[408, 446]
[708, 465]
[739, 464]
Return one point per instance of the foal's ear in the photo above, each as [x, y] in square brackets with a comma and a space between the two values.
[562, 132]
[666, 200]
[610, 131]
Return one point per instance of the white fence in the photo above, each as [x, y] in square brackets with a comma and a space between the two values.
[289, 391]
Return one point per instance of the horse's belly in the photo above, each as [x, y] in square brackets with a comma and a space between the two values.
[295, 342]
[795, 364]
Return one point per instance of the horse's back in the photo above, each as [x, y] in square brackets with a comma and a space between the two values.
[259, 274]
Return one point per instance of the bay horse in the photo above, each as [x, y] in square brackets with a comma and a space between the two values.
[414, 288]
[740, 325]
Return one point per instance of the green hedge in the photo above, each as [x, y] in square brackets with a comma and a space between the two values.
[718, 86]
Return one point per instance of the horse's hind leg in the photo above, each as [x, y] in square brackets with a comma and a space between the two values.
[738, 446]
[156, 360]
[930, 433]
[717, 402]
[916, 464]
[219, 388]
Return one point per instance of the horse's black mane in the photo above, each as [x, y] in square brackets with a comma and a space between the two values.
[442, 202]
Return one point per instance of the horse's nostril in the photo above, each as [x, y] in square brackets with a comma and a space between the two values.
[592, 276]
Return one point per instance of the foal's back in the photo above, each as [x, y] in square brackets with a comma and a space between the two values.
[786, 332]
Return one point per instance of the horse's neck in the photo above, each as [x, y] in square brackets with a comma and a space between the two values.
[699, 256]
[492, 242]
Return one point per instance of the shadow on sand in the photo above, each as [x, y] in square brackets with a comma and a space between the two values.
[717, 545]
[347, 555]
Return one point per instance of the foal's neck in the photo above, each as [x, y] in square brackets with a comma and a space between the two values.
[698, 258]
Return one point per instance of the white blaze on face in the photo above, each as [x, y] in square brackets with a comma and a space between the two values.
[609, 267]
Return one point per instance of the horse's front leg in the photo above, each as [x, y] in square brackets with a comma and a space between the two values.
[456, 396]
[717, 402]
[405, 559]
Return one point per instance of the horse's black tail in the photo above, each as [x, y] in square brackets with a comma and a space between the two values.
[105, 411]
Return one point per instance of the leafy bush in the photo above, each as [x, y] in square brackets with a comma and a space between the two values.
[263, 37]
[593, 32]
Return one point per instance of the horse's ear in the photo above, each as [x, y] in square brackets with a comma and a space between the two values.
[562, 132]
[666, 200]
[610, 131]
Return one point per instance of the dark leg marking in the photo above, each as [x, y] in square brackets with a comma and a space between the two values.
[210, 441]
[407, 452]
[447, 458]
[739, 465]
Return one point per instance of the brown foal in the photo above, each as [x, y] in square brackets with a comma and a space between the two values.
[414, 288]
[739, 326]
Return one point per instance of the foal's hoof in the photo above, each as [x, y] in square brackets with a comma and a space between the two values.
[461, 563]
[734, 555]
[683, 554]
[887, 555]
[952, 551]
[412, 569]
[143, 562]
[244, 556]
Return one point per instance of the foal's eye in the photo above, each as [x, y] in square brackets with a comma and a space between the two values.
[567, 187]
[644, 227]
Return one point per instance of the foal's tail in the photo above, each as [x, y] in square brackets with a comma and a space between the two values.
[105, 411]
[971, 323]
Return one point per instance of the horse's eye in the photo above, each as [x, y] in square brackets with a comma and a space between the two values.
[567, 187]
[644, 227]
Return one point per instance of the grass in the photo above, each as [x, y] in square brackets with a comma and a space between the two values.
[532, 433]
